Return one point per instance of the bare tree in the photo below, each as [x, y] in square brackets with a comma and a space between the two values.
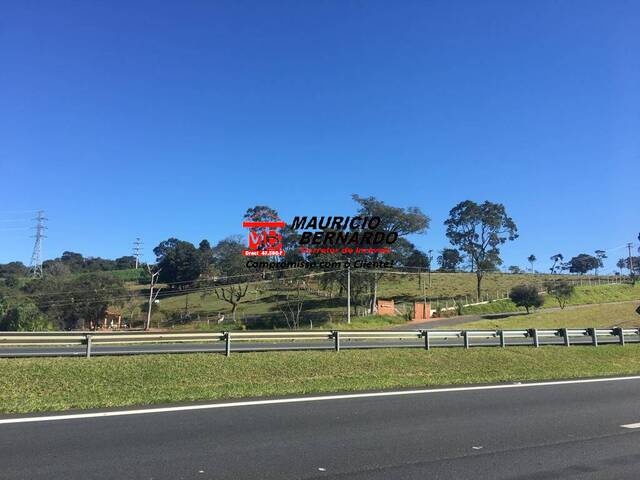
[291, 301]
[232, 294]
[153, 294]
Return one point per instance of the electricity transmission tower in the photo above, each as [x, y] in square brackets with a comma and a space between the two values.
[137, 248]
[36, 256]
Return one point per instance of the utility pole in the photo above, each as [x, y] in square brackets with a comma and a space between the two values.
[424, 298]
[152, 296]
[137, 248]
[36, 256]
[430, 260]
[349, 294]
[629, 245]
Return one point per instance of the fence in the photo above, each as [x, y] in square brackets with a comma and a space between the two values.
[430, 338]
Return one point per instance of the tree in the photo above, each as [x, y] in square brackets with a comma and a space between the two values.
[449, 259]
[557, 258]
[290, 300]
[479, 230]
[22, 316]
[531, 259]
[126, 262]
[230, 264]
[290, 238]
[13, 269]
[206, 255]
[402, 221]
[526, 296]
[561, 290]
[600, 255]
[624, 263]
[179, 262]
[514, 269]
[583, 263]
[74, 302]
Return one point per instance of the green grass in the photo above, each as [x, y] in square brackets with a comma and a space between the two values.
[48, 384]
[261, 299]
[584, 295]
[372, 322]
[604, 316]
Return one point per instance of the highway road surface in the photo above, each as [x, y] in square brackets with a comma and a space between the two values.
[569, 430]
[245, 346]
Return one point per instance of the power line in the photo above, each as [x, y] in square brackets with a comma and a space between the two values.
[36, 256]
[214, 279]
[65, 302]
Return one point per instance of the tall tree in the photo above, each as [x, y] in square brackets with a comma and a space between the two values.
[583, 263]
[479, 230]
[402, 221]
[532, 259]
[557, 262]
[624, 263]
[179, 262]
[206, 255]
[449, 259]
[600, 255]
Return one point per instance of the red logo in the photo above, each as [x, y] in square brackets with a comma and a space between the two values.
[264, 238]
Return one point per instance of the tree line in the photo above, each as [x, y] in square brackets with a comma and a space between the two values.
[77, 289]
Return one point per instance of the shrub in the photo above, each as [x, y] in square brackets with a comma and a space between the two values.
[561, 290]
[526, 296]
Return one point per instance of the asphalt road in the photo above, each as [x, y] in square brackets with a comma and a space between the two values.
[244, 346]
[534, 432]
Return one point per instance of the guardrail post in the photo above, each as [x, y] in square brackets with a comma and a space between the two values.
[594, 337]
[88, 340]
[565, 335]
[425, 334]
[336, 338]
[465, 335]
[227, 344]
[534, 333]
[620, 332]
[502, 339]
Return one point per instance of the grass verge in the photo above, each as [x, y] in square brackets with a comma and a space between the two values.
[48, 384]
[584, 295]
[606, 315]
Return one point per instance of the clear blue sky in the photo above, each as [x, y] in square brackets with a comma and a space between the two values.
[158, 119]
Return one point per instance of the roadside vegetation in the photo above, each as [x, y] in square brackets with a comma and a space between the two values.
[51, 384]
[603, 315]
[582, 295]
[217, 287]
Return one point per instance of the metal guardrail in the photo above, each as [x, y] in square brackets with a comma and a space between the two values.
[469, 337]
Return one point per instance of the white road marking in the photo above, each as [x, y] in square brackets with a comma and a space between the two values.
[631, 425]
[280, 401]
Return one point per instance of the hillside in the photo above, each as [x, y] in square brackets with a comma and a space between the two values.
[262, 306]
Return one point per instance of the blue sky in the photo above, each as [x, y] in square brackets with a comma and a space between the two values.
[158, 119]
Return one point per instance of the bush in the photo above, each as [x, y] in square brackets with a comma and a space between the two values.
[526, 296]
[23, 316]
[561, 290]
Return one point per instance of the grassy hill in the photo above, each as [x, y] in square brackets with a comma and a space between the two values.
[601, 316]
[261, 307]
